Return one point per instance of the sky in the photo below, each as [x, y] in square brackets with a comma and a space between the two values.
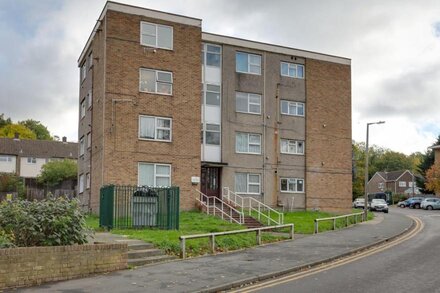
[394, 46]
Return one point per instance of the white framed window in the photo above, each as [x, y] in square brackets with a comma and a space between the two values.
[292, 70]
[81, 183]
[247, 183]
[90, 60]
[89, 140]
[410, 184]
[211, 134]
[211, 55]
[5, 159]
[88, 181]
[156, 35]
[83, 71]
[154, 174]
[248, 143]
[81, 146]
[247, 103]
[89, 99]
[402, 183]
[211, 93]
[292, 108]
[31, 160]
[155, 81]
[155, 128]
[381, 185]
[293, 147]
[292, 185]
[83, 108]
[247, 63]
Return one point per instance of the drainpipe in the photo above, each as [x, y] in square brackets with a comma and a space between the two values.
[263, 182]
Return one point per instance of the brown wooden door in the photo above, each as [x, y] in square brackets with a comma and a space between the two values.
[210, 181]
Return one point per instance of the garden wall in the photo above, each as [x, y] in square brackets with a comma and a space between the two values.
[27, 266]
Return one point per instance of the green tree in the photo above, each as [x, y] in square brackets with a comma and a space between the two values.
[4, 121]
[39, 129]
[426, 162]
[358, 169]
[10, 130]
[55, 172]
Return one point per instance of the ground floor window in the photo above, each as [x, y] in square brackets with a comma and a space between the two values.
[154, 175]
[247, 183]
[292, 185]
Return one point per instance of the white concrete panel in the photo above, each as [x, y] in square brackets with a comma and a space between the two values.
[212, 153]
[212, 114]
[213, 75]
[31, 170]
[9, 166]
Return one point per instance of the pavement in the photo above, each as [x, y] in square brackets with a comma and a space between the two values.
[223, 271]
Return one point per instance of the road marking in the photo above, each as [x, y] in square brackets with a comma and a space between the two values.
[333, 264]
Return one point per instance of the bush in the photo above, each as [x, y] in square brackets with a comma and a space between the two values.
[48, 222]
[6, 240]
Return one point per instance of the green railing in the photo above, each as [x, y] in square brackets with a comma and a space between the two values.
[123, 207]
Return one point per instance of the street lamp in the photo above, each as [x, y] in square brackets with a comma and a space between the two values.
[366, 170]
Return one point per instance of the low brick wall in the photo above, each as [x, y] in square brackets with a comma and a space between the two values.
[27, 266]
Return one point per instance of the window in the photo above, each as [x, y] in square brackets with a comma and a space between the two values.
[88, 180]
[247, 183]
[402, 184]
[90, 60]
[81, 183]
[155, 128]
[410, 184]
[83, 108]
[89, 140]
[31, 160]
[154, 174]
[212, 134]
[248, 143]
[292, 185]
[292, 70]
[81, 146]
[212, 55]
[248, 63]
[154, 81]
[156, 35]
[5, 159]
[381, 185]
[212, 96]
[294, 147]
[248, 103]
[83, 72]
[292, 108]
[89, 99]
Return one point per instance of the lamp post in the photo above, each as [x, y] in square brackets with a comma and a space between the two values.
[366, 170]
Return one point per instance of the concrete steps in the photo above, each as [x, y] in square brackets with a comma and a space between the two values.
[142, 253]
[249, 222]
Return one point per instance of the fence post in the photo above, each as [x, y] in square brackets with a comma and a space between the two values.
[346, 221]
[212, 243]
[182, 248]
[334, 224]
[258, 237]
[292, 231]
[316, 226]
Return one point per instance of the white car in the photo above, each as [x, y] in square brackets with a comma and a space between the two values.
[359, 203]
[378, 204]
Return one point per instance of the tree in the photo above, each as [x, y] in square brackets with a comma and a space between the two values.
[358, 169]
[55, 172]
[3, 121]
[36, 127]
[426, 162]
[10, 130]
[433, 178]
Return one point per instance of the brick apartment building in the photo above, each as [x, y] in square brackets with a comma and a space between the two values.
[163, 103]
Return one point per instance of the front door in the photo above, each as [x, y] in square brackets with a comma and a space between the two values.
[210, 181]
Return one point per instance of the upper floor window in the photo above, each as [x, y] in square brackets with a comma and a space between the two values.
[247, 183]
[81, 146]
[5, 159]
[154, 174]
[211, 55]
[294, 147]
[212, 94]
[292, 185]
[248, 103]
[248, 63]
[31, 160]
[155, 81]
[156, 35]
[83, 71]
[292, 108]
[155, 128]
[402, 183]
[81, 183]
[83, 108]
[211, 134]
[89, 99]
[248, 143]
[89, 140]
[292, 70]
[90, 59]
[381, 185]
[88, 180]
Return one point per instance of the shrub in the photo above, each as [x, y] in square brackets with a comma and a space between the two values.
[48, 222]
[6, 240]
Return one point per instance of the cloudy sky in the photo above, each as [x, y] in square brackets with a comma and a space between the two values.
[394, 46]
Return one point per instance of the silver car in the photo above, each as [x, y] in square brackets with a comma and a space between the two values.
[378, 204]
[430, 203]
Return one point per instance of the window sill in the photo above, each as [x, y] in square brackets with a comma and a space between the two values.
[154, 140]
[292, 192]
[154, 93]
[292, 154]
[247, 153]
[255, 114]
[155, 48]
[242, 72]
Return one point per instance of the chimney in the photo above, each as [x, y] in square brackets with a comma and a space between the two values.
[64, 139]
[16, 136]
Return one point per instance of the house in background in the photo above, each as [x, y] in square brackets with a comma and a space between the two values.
[25, 157]
[397, 182]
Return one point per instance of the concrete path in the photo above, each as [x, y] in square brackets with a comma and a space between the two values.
[213, 273]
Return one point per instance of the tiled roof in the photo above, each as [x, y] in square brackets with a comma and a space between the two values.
[38, 148]
[392, 176]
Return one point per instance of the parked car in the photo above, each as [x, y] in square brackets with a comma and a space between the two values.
[430, 204]
[403, 204]
[359, 203]
[414, 202]
[378, 204]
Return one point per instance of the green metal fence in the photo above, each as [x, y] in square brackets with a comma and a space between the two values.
[124, 207]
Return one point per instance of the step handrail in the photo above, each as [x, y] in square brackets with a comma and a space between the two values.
[240, 202]
[221, 210]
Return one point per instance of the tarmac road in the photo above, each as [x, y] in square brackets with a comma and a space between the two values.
[411, 266]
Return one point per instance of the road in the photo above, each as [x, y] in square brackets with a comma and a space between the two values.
[410, 266]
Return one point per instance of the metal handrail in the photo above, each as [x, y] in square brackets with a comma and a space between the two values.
[354, 215]
[212, 236]
[221, 210]
[240, 202]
